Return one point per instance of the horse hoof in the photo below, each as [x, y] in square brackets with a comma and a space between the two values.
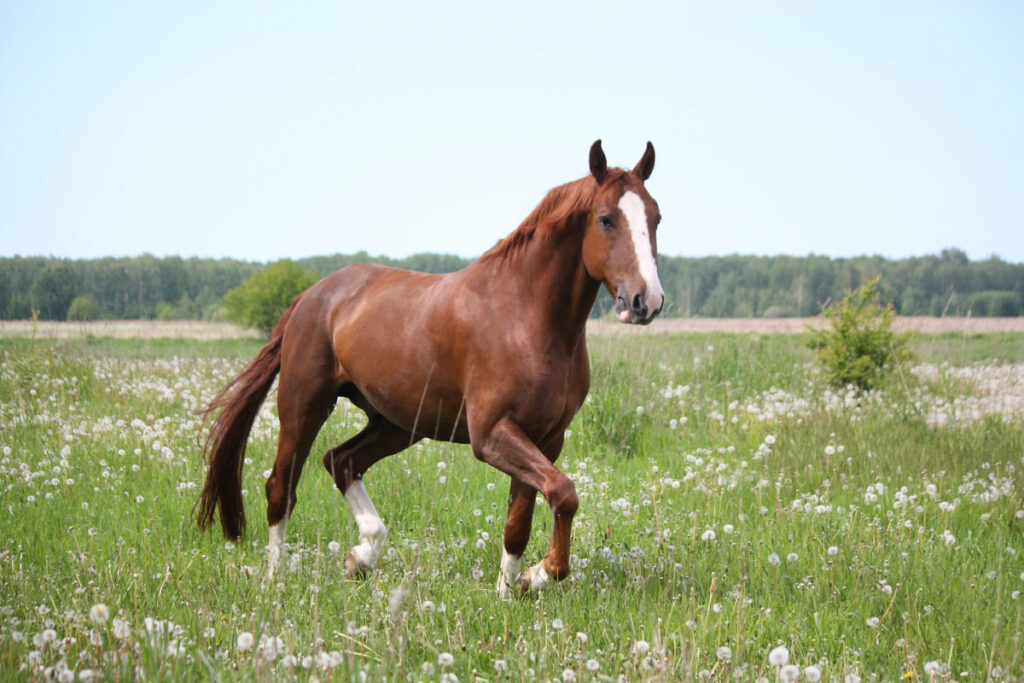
[522, 585]
[533, 580]
[354, 569]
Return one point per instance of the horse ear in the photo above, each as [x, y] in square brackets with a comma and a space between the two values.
[646, 165]
[598, 164]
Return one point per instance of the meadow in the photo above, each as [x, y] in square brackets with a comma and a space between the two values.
[738, 520]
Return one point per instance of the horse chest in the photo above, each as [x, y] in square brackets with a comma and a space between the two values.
[545, 395]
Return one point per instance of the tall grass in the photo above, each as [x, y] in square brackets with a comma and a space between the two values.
[729, 504]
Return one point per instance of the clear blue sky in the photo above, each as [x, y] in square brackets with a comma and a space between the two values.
[270, 130]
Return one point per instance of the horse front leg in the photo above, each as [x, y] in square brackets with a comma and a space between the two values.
[507, 448]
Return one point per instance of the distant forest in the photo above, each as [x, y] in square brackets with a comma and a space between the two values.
[717, 286]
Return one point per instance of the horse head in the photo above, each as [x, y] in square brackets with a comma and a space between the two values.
[620, 243]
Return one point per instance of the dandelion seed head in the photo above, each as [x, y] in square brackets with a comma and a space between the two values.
[789, 672]
[245, 641]
[778, 656]
[99, 614]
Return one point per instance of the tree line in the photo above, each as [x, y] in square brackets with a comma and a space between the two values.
[147, 287]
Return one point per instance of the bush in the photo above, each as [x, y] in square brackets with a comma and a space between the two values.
[81, 309]
[259, 301]
[164, 311]
[859, 346]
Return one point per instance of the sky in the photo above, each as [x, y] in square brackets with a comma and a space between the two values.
[263, 131]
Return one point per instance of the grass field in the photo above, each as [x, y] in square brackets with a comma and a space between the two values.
[733, 513]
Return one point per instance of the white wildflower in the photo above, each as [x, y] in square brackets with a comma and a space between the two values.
[99, 614]
[779, 656]
[790, 672]
[245, 641]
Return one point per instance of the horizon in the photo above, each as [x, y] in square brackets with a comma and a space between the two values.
[368, 255]
[280, 131]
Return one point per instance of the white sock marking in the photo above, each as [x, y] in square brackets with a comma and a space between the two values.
[507, 572]
[275, 545]
[372, 531]
[539, 578]
[632, 208]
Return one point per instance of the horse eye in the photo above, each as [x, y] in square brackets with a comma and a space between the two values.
[606, 222]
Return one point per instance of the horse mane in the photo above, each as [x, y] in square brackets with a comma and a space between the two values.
[550, 215]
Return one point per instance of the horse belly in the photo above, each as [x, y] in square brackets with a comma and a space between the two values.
[393, 342]
[407, 385]
[436, 414]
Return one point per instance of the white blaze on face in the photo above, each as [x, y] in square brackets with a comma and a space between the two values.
[372, 531]
[632, 207]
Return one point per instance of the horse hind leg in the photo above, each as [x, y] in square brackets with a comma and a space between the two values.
[347, 463]
[302, 413]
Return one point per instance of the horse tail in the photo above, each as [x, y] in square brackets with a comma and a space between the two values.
[236, 406]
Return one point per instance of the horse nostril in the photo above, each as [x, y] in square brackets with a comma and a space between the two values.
[640, 306]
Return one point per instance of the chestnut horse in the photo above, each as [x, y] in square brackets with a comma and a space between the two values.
[494, 355]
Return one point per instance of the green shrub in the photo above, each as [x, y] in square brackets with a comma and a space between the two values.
[164, 311]
[259, 301]
[859, 345]
[81, 309]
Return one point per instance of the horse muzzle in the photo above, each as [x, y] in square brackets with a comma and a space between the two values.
[640, 308]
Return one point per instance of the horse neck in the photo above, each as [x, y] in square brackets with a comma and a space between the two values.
[560, 291]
